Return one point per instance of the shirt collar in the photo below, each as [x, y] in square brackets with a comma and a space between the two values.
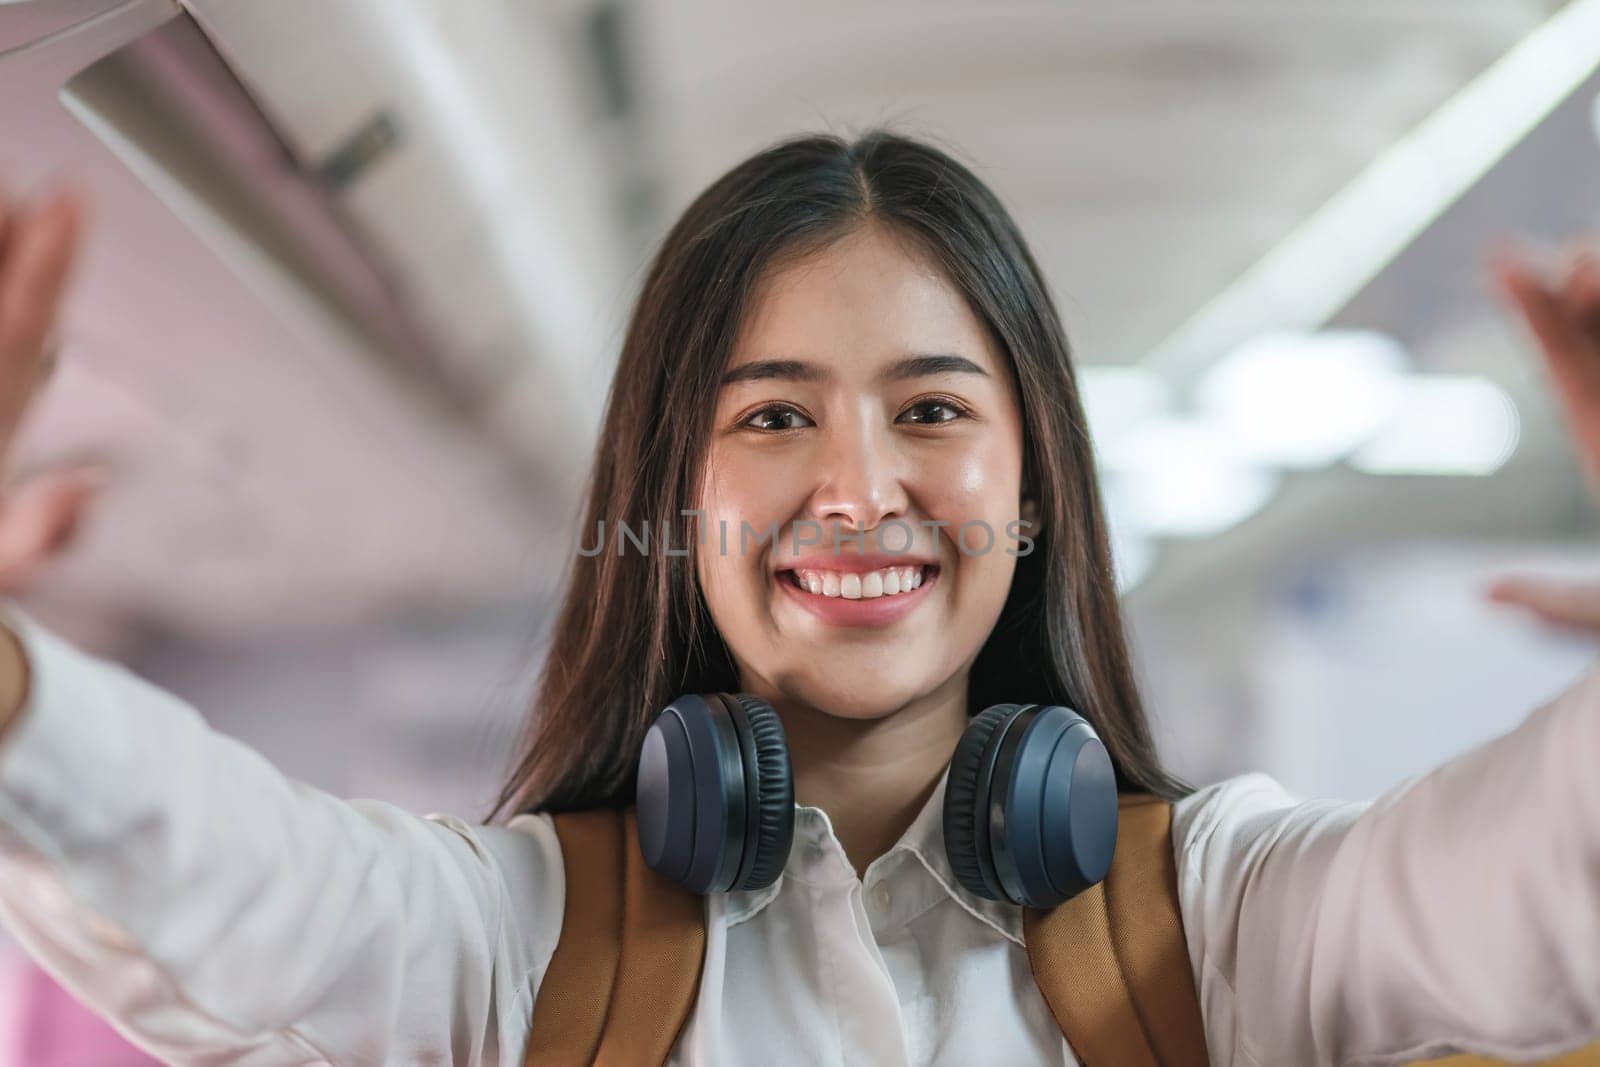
[817, 858]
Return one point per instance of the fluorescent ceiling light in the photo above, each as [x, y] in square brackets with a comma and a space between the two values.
[1331, 256]
[1182, 477]
[1116, 398]
[1445, 425]
[1303, 400]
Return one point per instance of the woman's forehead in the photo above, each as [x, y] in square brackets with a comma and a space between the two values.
[859, 305]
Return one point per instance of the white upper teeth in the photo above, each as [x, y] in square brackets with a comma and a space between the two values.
[856, 586]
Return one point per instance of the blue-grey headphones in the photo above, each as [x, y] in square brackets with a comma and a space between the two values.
[1030, 803]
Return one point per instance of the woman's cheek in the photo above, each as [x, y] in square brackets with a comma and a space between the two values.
[730, 564]
[746, 499]
[974, 478]
[979, 535]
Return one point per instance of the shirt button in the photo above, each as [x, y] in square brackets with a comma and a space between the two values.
[882, 897]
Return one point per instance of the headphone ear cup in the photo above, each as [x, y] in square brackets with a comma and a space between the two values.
[690, 794]
[773, 812]
[1030, 805]
[964, 807]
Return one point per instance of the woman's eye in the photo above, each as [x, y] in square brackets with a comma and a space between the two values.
[932, 412]
[776, 419]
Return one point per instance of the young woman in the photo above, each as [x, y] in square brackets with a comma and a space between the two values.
[849, 336]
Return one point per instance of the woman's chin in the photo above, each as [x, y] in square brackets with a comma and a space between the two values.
[866, 700]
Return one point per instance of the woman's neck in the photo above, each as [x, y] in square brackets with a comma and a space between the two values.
[873, 776]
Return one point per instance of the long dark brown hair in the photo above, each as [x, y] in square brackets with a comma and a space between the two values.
[634, 633]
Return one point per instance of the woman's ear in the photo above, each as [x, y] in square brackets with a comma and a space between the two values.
[1030, 511]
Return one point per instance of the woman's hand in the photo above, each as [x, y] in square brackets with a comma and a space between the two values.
[1563, 315]
[38, 244]
[1566, 603]
[39, 517]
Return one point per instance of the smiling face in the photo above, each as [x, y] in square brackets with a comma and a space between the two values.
[862, 396]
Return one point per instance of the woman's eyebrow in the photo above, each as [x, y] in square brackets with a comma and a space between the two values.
[797, 370]
[927, 366]
[788, 370]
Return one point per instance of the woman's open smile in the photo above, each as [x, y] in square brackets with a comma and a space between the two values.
[859, 590]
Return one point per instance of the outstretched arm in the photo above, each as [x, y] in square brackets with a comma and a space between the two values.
[1461, 910]
[1458, 912]
[211, 907]
[176, 882]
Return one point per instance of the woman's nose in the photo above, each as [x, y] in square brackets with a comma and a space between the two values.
[860, 480]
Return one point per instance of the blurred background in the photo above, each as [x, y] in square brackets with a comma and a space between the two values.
[359, 269]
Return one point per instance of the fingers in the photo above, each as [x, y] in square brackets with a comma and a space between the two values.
[1537, 305]
[1565, 320]
[1568, 603]
[37, 250]
[1541, 306]
[38, 257]
[1581, 293]
[41, 517]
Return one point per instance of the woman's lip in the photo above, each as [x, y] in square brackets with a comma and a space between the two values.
[876, 611]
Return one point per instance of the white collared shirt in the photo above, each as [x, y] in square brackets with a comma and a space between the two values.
[219, 912]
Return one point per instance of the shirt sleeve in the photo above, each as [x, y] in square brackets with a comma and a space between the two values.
[1459, 912]
[217, 911]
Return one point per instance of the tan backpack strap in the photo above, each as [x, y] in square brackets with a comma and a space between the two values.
[570, 1012]
[663, 950]
[1075, 967]
[1147, 927]
[627, 966]
[1112, 962]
